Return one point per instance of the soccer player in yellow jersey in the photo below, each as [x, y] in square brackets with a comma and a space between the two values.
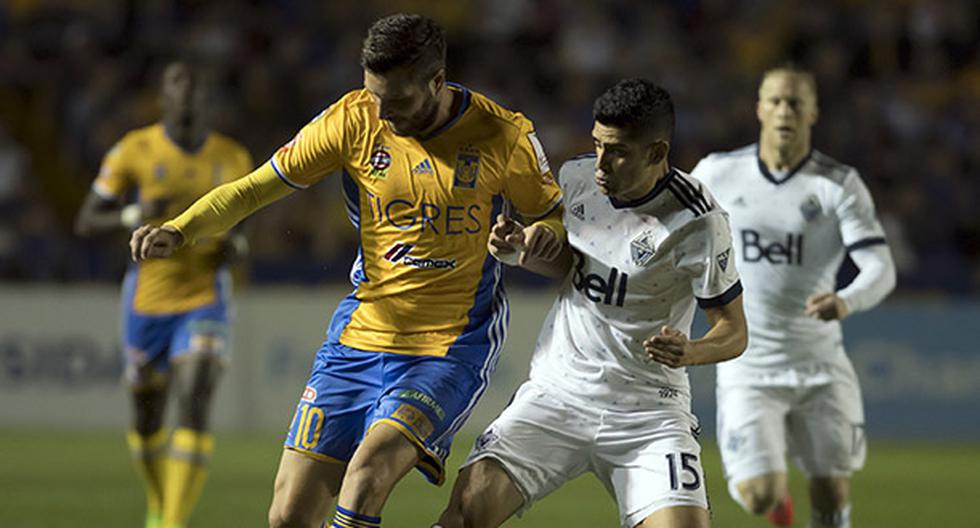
[175, 311]
[427, 167]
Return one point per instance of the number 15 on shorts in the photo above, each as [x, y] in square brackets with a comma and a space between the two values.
[682, 472]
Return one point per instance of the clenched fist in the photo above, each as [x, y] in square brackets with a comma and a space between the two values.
[154, 242]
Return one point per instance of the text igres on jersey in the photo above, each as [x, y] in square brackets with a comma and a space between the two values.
[788, 251]
[446, 219]
[600, 289]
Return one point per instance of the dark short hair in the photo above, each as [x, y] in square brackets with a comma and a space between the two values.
[415, 41]
[639, 106]
[792, 68]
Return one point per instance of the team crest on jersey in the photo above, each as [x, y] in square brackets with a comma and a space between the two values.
[380, 161]
[810, 208]
[486, 439]
[578, 211]
[642, 248]
[309, 394]
[723, 258]
[467, 168]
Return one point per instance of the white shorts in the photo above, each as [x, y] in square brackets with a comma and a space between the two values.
[648, 460]
[821, 427]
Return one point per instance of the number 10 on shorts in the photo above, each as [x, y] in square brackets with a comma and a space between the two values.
[310, 418]
[676, 476]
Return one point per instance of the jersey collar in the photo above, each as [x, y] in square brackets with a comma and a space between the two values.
[657, 189]
[459, 113]
[792, 172]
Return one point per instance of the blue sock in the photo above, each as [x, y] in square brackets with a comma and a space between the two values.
[348, 519]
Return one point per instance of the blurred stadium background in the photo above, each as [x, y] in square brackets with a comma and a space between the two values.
[900, 100]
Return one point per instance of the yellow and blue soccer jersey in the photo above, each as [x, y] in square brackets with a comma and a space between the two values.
[425, 284]
[150, 163]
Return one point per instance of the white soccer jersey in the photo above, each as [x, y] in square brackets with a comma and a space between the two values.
[790, 233]
[638, 266]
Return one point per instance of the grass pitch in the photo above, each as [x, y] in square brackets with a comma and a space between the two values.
[66, 478]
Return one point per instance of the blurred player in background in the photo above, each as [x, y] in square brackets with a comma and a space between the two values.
[608, 392]
[175, 312]
[427, 165]
[795, 214]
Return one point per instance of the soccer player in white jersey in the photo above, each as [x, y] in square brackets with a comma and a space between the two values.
[608, 392]
[795, 212]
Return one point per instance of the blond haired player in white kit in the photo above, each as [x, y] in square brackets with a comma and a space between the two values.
[795, 212]
[608, 392]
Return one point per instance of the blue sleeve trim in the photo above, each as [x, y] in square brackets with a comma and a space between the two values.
[866, 242]
[730, 295]
[287, 181]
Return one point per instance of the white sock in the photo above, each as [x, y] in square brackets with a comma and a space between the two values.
[837, 519]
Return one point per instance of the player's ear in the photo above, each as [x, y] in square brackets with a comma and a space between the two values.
[658, 152]
[438, 80]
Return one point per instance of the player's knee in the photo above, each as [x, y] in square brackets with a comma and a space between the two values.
[283, 514]
[759, 499]
[761, 494]
[369, 478]
[829, 494]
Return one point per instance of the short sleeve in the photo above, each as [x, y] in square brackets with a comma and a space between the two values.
[317, 149]
[707, 257]
[115, 175]
[528, 182]
[859, 226]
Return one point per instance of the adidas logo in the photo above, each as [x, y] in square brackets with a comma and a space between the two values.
[424, 167]
[578, 211]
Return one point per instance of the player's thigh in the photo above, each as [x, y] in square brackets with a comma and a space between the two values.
[826, 429]
[146, 349]
[540, 441]
[304, 489]
[678, 517]
[336, 403]
[202, 332]
[752, 430]
[483, 495]
[651, 461]
[428, 399]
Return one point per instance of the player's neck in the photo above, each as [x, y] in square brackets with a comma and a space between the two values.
[782, 158]
[449, 102]
[654, 175]
[187, 138]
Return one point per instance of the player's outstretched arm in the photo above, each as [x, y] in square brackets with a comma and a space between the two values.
[213, 214]
[726, 339]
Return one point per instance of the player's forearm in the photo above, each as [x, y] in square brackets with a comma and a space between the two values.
[556, 268]
[98, 216]
[875, 280]
[553, 222]
[219, 210]
[727, 337]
